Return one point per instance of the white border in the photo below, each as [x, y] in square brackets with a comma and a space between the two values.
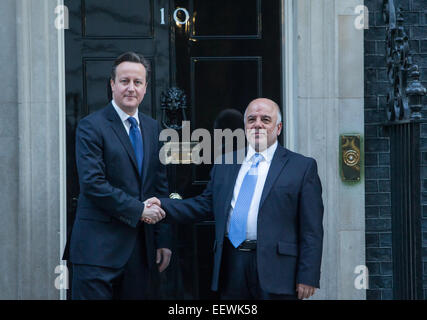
[289, 79]
[62, 151]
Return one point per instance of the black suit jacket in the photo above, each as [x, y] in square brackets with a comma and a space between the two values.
[111, 191]
[289, 231]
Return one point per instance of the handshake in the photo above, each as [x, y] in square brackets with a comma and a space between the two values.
[153, 212]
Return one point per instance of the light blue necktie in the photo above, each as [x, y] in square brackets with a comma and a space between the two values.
[136, 140]
[239, 217]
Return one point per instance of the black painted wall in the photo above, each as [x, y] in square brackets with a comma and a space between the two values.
[377, 147]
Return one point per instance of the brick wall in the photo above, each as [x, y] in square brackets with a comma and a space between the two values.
[377, 146]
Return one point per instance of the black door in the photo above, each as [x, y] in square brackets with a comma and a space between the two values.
[225, 55]
[99, 31]
[221, 53]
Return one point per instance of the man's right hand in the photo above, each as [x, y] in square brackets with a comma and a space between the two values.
[152, 212]
[151, 201]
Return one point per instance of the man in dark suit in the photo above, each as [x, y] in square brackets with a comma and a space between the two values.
[268, 215]
[112, 251]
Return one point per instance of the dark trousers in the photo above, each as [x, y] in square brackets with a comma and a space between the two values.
[240, 277]
[101, 283]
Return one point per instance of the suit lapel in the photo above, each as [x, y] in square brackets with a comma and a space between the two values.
[118, 128]
[146, 138]
[278, 162]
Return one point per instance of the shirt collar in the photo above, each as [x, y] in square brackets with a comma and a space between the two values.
[267, 153]
[123, 115]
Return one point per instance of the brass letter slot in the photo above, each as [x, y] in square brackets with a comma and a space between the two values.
[350, 157]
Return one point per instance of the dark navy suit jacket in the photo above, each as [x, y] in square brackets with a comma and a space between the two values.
[111, 191]
[289, 231]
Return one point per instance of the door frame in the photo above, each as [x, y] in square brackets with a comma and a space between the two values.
[289, 106]
[62, 154]
[289, 76]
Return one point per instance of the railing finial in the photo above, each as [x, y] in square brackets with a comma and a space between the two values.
[406, 91]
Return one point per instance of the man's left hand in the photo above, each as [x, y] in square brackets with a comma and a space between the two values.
[305, 291]
[163, 258]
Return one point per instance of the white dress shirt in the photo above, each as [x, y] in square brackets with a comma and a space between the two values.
[124, 116]
[263, 167]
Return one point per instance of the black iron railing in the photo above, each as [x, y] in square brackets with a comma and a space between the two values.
[406, 90]
[403, 125]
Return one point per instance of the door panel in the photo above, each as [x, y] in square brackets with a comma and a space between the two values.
[118, 19]
[240, 78]
[238, 85]
[226, 19]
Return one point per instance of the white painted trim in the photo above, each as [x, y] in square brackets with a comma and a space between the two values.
[289, 80]
[62, 150]
[23, 46]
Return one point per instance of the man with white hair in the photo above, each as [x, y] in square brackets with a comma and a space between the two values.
[268, 214]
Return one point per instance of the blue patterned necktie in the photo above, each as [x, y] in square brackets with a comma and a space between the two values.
[239, 217]
[136, 140]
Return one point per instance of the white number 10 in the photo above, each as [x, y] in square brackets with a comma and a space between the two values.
[175, 16]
